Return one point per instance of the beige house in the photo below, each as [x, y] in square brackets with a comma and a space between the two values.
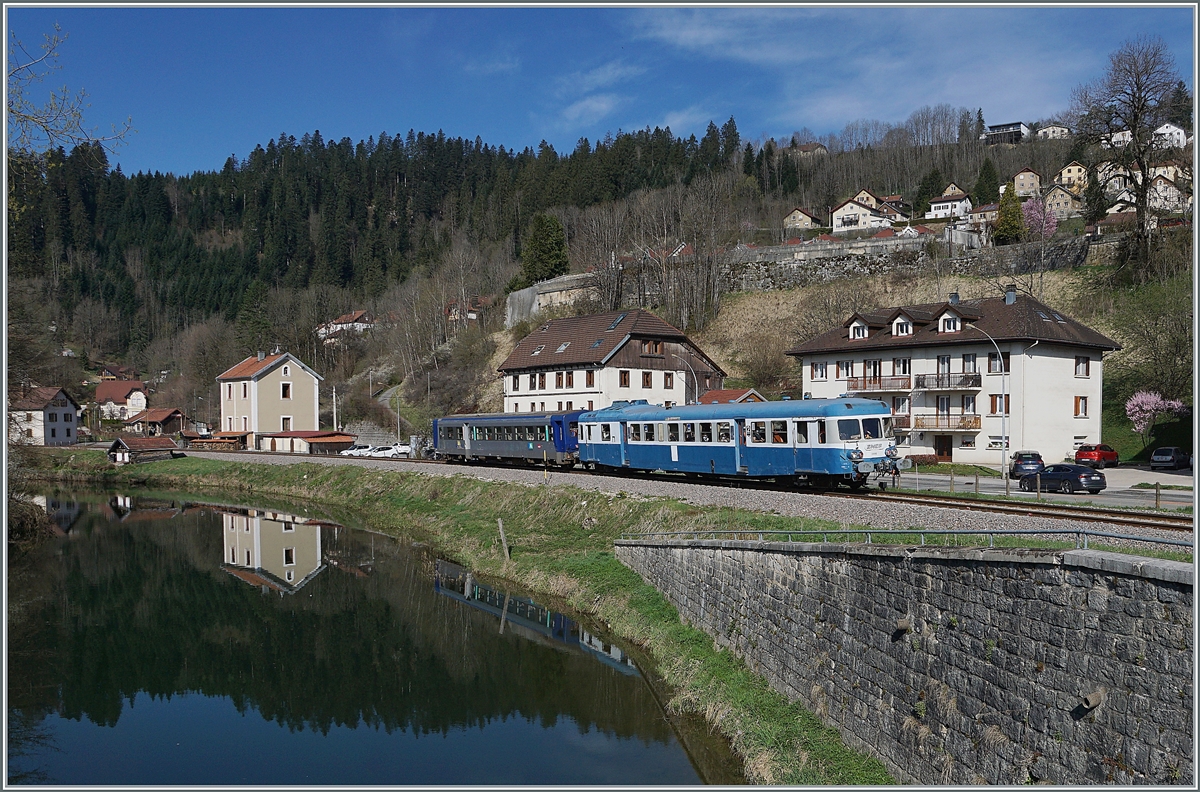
[1073, 176]
[809, 149]
[867, 198]
[853, 216]
[1027, 182]
[1063, 202]
[1054, 132]
[801, 218]
[272, 550]
[269, 393]
[983, 216]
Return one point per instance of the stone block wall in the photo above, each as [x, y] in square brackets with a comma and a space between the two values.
[957, 666]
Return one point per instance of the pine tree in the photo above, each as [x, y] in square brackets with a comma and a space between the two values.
[253, 331]
[1180, 106]
[931, 186]
[543, 252]
[1095, 202]
[987, 186]
[1010, 223]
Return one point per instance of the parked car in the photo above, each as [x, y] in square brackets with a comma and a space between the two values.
[1097, 456]
[355, 450]
[1169, 457]
[395, 451]
[1065, 478]
[1025, 462]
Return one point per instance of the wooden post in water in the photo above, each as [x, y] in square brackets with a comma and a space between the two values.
[504, 612]
[504, 540]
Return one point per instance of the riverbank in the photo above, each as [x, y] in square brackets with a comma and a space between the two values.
[560, 541]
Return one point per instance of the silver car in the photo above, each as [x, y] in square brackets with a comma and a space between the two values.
[354, 450]
[396, 451]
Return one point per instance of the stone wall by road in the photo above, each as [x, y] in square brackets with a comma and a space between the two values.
[958, 666]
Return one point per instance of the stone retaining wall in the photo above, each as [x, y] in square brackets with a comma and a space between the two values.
[958, 666]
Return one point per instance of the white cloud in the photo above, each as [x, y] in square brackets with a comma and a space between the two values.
[600, 77]
[590, 109]
[684, 122]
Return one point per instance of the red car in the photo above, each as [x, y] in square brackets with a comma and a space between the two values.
[1096, 456]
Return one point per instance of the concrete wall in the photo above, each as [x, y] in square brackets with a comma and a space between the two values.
[987, 686]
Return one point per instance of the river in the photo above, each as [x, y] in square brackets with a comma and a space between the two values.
[163, 640]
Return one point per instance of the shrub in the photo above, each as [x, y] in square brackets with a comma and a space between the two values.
[923, 459]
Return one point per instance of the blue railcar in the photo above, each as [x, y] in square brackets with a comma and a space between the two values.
[531, 438]
[823, 442]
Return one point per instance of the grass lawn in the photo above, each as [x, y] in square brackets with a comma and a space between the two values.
[1118, 432]
[965, 471]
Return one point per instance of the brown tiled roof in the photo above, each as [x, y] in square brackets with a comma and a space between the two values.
[309, 434]
[117, 390]
[145, 443]
[38, 398]
[590, 339]
[353, 317]
[804, 211]
[1017, 322]
[249, 367]
[154, 415]
[951, 197]
[730, 395]
[809, 146]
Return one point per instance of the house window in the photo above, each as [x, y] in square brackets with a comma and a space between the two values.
[67, 417]
[28, 417]
[968, 364]
[968, 405]
[570, 406]
[858, 331]
[285, 391]
[647, 379]
[902, 328]
[562, 347]
[516, 382]
[287, 371]
[532, 406]
[900, 405]
[668, 380]
[68, 432]
[968, 441]
[623, 379]
[994, 366]
[943, 364]
[537, 351]
[817, 371]
[949, 324]
[541, 380]
[229, 391]
[901, 367]
[845, 369]
[590, 407]
[1082, 366]
[245, 423]
[285, 423]
[558, 380]
[652, 347]
[560, 406]
[52, 417]
[999, 401]
[229, 424]
[29, 433]
[570, 379]
[289, 556]
[54, 433]
[1080, 407]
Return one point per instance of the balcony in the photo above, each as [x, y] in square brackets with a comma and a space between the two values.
[949, 423]
[878, 384]
[936, 382]
[901, 421]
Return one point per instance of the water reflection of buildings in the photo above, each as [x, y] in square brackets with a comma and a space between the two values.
[62, 513]
[525, 617]
[276, 551]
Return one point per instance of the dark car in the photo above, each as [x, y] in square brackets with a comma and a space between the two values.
[1169, 457]
[1025, 462]
[1097, 456]
[1065, 478]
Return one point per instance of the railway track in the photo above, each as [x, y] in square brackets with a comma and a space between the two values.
[1122, 517]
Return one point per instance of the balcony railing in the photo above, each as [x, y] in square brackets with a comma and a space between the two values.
[952, 423]
[901, 421]
[948, 381]
[878, 384]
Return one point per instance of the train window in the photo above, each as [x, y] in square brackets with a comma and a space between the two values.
[779, 432]
[801, 432]
[605, 433]
[573, 427]
[672, 433]
[635, 433]
[822, 438]
[706, 433]
[724, 432]
[758, 431]
[689, 433]
[848, 429]
[589, 432]
[887, 426]
[649, 433]
[871, 428]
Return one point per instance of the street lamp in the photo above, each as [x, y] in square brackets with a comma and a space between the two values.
[695, 381]
[1003, 405]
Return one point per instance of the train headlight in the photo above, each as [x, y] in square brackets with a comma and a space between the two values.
[891, 453]
[856, 455]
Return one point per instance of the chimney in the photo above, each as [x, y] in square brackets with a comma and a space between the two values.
[261, 354]
[1010, 294]
[954, 298]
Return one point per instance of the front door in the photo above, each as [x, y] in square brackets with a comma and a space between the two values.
[943, 447]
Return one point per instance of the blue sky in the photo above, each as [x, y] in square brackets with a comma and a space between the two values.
[204, 83]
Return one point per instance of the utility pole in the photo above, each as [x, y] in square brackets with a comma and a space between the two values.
[335, 423]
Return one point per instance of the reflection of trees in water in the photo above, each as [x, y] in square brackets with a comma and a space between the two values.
[145, 607]
[28, 735]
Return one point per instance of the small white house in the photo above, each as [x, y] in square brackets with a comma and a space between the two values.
[120, 399]
[1170, 136]
[953, 205]
[853, 216]
[1054, 132]
[46, 416]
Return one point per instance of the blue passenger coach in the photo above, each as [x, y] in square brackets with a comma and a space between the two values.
[550, 438]
[823, 442]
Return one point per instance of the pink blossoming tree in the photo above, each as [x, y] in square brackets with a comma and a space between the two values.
[1144, 408]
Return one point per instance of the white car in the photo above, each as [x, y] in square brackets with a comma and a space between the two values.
[396, 451]
[355, 450]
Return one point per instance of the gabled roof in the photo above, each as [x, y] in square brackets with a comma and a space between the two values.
[951, 197]
[807, 147]
[1076, 163]
[731, 396]
[986, 208]
[38, 398]
[352, 318]
[870, 209]
[804, 211]
[144, 443]
[590, 340]
[156, 415]
[117, 390]
[1027, 170]
[253, 368]
[1021, 321]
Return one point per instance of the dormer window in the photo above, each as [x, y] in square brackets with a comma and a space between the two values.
[562, 347]
[902, 327]
[858, 331]
[537, 351]
[949, 324]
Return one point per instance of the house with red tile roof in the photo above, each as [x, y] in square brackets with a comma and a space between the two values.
[127, 449]
[356, 322]
[732, 396]
[269, 393]
[156, 421]
[852, 215]
[801, 218]
[45, 416]
[588, 362]
[119, 399]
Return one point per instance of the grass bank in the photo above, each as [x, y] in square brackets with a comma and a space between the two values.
[560, 541]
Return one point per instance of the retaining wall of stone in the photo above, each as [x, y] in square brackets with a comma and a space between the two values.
[958, 666]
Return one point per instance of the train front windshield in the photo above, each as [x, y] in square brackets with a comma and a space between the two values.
[867, 429]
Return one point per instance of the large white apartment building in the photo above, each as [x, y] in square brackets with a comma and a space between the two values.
[962, 375]
[589, 362]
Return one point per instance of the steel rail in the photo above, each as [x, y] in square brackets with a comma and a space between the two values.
[870, 535]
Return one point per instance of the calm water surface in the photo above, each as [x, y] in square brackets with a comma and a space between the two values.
[157, 642]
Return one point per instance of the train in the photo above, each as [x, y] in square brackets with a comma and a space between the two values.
[819, 442]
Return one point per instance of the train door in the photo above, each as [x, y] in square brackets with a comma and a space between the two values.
[739, 440]
[622, 436]
[801, 448]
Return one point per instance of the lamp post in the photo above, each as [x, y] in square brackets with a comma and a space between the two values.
[695, 381]
[1003, 407]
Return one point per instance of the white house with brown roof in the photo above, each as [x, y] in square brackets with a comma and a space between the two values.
[45, 416]
[356, 322]
[962, 375]
[851, 216]
[809, 149]
[1054, 132]
[956, 204]
[269, 393]
[156, 421]
[801, 218]
[119, 399]
[588, 362]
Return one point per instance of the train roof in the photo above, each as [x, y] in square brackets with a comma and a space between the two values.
[795, 408]
[513, 418]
